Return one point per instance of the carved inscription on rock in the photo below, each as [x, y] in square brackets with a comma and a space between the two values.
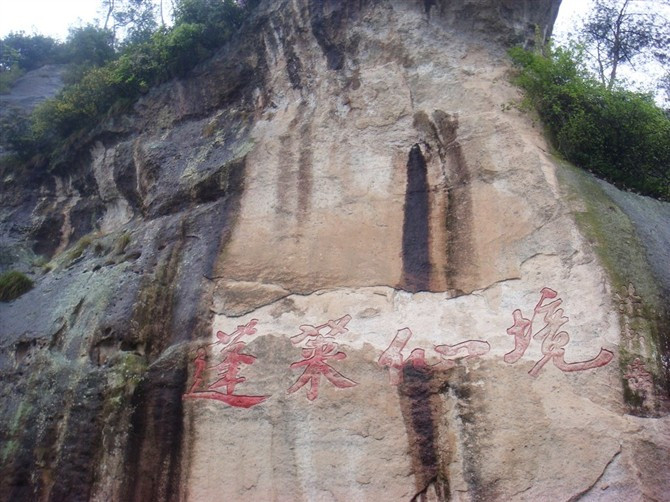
[318, 350]
[552, 338]
[394, 359]
[218, 368]
[231, 358]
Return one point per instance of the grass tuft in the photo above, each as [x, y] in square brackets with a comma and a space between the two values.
[13, 284]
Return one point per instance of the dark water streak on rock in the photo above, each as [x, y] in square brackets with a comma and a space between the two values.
[461, 267]
[421, 408]
[416, 229]
[154, 451]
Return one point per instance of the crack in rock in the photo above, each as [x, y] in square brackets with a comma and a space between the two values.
[581, 494]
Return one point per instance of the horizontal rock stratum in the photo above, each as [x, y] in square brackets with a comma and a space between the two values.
[335, 263]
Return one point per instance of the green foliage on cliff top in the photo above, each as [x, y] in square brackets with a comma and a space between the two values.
[86, 47]
[100, 80]
[619, 135]
[13, 284]
[28, 52]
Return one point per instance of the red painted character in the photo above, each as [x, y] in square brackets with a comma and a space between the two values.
[200, 363]
[470, 349]
[553, 340]
[318, 349]
[393, 358]
[522, 329]
[228, 369]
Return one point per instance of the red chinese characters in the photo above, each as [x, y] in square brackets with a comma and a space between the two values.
[394, 359]
[467, 350]
[228, 369]
[553, 340]
[318, 349]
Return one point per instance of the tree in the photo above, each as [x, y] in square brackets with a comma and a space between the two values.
[621, 31]
[20, 53]
[89, 46]
[220, 18]
[28, 51]
[130, 20]
[619, 135]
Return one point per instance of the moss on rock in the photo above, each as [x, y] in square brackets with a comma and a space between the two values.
[636, 293]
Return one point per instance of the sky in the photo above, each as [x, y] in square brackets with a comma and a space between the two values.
[642, 78]
[569, 15]
[46, 17]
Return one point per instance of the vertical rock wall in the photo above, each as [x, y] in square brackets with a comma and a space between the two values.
[331, 264]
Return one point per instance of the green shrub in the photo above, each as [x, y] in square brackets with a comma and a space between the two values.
[28, 52]
[101, 81]
[20, 53]
[184, 48]
[8, 77]
[122, 242]
[619, 135]
[219, 19]
[13, 284]
[15, 131]
[77, 107]
[90, 46]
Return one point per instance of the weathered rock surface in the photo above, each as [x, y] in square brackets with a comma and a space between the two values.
[333, 264]
[33, 88]
[650, 218]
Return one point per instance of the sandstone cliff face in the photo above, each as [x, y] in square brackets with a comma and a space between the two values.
[332, 264]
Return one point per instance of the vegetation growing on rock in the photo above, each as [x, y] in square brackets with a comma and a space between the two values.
[79, 248]
[619, 135]
[104, 76]
[13, 284]
[20, 53]
[639, 300]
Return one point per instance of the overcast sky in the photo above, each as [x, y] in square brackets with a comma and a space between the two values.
[570, 13]
[46, 17]
[54, 17]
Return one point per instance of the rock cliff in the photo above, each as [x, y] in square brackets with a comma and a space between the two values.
[333, 263]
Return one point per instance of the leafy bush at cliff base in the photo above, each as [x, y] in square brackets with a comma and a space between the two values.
[13, 284]
[619, 135]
